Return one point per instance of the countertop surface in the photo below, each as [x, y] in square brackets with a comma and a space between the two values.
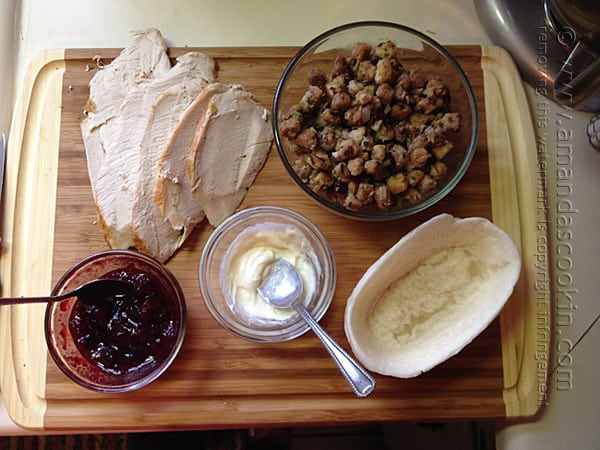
[30, 26]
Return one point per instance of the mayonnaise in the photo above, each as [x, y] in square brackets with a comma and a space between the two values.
[247, 263]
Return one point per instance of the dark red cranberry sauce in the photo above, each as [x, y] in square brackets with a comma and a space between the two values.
[130, 333]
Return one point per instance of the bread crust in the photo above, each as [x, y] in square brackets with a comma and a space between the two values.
[396, 327]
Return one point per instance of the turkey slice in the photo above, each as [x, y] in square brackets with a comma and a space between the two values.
[230, 148]
[144, 59]
[152, 233]
[118, 176]
[172, 188]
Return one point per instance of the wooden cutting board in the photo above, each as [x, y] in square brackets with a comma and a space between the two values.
[219, 380]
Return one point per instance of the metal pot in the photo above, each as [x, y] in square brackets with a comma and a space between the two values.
[555, 44]
[577, 27]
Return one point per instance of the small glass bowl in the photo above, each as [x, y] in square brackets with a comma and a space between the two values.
[61, 342]
[239, 231]
[417, 51]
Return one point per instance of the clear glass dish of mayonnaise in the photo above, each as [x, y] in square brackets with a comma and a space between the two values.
[237, 258]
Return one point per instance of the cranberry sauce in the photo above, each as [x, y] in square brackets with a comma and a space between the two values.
[127, 334]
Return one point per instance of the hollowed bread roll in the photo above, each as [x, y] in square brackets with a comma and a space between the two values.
[430, 295]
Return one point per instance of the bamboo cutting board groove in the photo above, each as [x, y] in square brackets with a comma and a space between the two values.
[219, 380]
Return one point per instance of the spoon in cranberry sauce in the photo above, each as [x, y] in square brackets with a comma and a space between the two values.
[93, 292]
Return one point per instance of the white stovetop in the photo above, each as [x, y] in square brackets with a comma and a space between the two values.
[29, 26]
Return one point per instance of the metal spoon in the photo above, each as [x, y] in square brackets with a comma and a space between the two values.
[283, 289]
[93, 292]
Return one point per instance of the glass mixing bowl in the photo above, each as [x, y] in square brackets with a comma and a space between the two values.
[415, 51]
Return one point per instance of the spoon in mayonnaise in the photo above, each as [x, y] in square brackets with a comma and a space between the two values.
[283, 288]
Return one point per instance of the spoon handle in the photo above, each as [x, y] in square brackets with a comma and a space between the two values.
[23, 300]
[360, 380]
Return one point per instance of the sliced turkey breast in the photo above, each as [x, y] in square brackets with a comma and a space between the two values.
[164, 144]
[230, 147]
[119, 174]
[145, 58]
[173, 189]
[152, 233]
